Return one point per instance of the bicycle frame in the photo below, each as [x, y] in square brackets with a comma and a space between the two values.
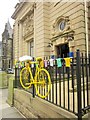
[33, 78]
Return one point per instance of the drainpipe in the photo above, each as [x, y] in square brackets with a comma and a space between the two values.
[86, 25]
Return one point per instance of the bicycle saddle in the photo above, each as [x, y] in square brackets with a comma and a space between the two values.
[25, 58]
[39, 59]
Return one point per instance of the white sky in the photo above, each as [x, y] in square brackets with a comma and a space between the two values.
[6, 11]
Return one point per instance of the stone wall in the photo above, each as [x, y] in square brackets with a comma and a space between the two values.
[20, 43]
[42, 29]
[3, 79]
[27, 105]
[44, 16]
[75, 12]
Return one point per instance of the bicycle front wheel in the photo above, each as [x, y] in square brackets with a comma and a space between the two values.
[25, 78]
[43, 85]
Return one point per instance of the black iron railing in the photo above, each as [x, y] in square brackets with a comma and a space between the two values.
[70, 86]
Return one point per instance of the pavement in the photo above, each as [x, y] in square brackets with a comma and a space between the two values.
[7, 111]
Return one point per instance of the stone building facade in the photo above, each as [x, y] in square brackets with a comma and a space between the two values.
[7, 47]
[46, 28]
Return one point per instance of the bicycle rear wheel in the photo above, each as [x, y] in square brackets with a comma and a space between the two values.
[43, 85]
[25, 78]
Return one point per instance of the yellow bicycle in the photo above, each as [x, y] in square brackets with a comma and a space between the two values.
[41, 79]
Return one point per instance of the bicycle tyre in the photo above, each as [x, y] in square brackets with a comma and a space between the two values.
[44, 87]
[25, 78]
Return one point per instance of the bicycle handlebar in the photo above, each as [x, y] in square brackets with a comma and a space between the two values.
[33, 62]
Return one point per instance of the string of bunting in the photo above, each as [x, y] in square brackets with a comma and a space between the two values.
[59, 63]
[19, 64]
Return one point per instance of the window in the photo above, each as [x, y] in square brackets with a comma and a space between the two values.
[62, 25]
[9, 63]
[31, 48]
[3, 63]
[3, 51]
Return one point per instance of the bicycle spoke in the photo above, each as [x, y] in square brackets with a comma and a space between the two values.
[43, 83]
[25, 78]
